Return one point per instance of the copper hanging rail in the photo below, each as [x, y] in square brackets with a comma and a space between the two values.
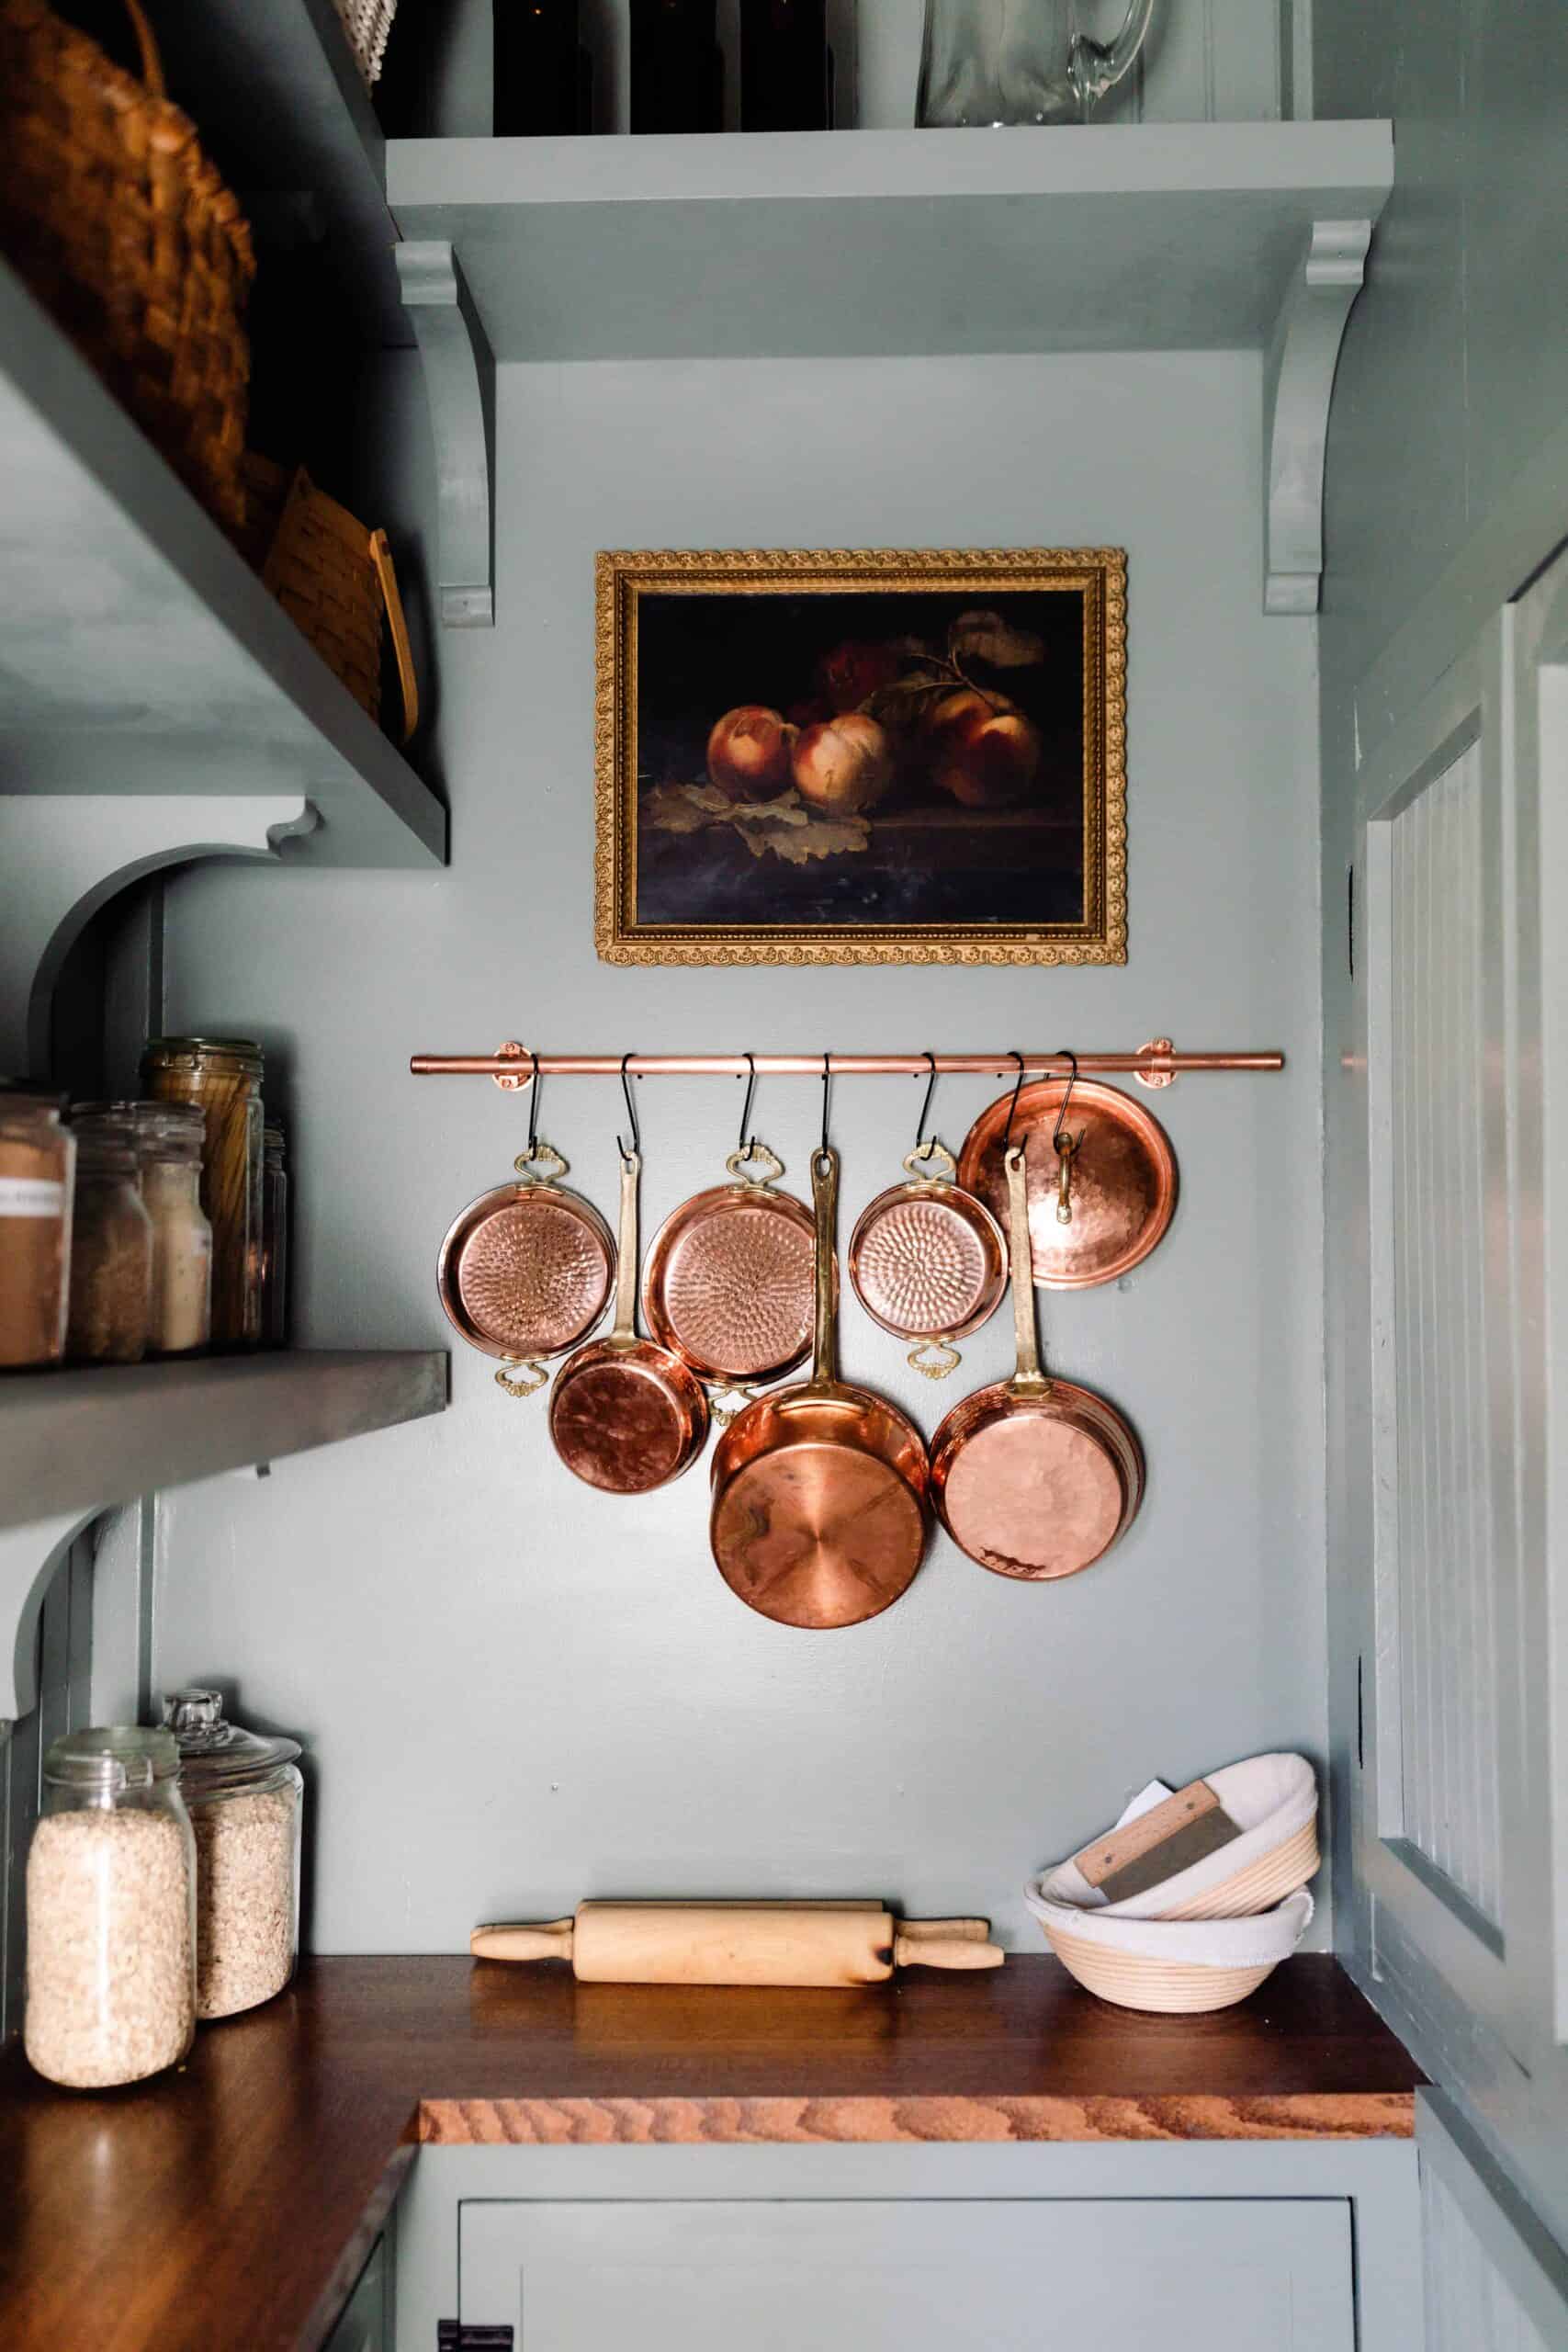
[512, 1065]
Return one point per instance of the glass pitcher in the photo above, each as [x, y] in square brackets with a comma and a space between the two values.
[999, 62]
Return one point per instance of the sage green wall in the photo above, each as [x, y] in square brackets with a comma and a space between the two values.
[518, 1692]
[1447, 488]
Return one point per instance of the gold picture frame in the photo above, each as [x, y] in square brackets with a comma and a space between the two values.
[787, 879]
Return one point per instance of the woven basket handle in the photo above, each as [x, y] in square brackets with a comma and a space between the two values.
[381, 557]
[152, 64]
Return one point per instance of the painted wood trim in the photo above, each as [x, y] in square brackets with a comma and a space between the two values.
[1298, 385]
[29, 1558]
[1512, 2235]
[459, 384]
[731, 2122]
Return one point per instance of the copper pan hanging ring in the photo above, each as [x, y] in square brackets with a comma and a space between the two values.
[1099, 1204]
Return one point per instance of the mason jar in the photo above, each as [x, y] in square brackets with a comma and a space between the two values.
[223, 1077]
[111, 1248]
[110, 1911]
[245, 1796]
[167, 1139]
[37, 1175]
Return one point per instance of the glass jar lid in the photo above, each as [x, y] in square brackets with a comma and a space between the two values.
[214, 1753]
[243, 1051]
[157, 1130]
[112, 1758]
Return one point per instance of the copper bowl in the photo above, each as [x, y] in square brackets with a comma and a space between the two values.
[1123, 1183]
[525, 1270]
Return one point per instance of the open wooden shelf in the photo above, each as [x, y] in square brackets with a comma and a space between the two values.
[81, 1441]
[1150, 236]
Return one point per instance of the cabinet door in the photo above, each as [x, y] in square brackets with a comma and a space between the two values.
[1225, 2274]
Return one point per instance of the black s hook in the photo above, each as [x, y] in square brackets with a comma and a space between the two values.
[743, 1142]
[1012, 1106]
[632, 1150]
[922, 1148]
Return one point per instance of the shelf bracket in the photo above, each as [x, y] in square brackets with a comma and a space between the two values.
[1298, 383]
[459, 384]
[29, 1557]
[65, 855]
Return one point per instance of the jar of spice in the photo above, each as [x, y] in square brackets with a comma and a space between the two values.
[245, 1796]
[167, 1139]
[222, 1077]
[112, 1246]
[37, 1173]
[274, 1240]
[111, 1912]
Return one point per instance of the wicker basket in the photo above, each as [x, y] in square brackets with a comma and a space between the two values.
[1178, 1966]
[367, 24]
[126, 233]
[335, 579]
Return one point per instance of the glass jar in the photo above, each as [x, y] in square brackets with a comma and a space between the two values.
[37, 1174]
[245, 1796]
[111, 1912]
[167, 1138]
[223, 1077]
[111, 1248]
[275, 1240]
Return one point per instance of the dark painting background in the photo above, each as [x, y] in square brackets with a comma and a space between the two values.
[929, 858]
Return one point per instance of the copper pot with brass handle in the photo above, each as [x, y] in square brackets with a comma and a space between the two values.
[627, 1415]
[819, 1490]
[1034, 1477]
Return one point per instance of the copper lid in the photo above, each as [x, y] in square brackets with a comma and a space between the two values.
[1122, 1184]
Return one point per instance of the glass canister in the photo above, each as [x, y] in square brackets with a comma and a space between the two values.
[112, 1246]
[167, 1138]
[274, 1240]
[222, 1078]
[245, 1796]
[37, 1175]
[111, 1911]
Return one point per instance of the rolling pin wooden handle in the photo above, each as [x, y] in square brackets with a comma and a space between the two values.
[944, 1951]
[974, 1930]
[551, 1939]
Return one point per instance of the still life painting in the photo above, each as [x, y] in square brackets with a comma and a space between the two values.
[873, 756]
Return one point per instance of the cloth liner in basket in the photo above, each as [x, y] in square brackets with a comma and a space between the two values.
[1171, 1964]
[1274, 1800]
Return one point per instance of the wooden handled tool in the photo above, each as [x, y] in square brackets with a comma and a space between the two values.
[741, 1943]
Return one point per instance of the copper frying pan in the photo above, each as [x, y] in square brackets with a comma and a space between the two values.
[1033, 1478]
[928, 1260]
[525, 1271]
[727, 1284]
[625, 1414]
[1099, 1198]
[819, 1490]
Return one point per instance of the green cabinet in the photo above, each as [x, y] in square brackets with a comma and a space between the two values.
[367, 2321]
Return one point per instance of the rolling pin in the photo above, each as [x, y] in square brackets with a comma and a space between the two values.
[843, 1944]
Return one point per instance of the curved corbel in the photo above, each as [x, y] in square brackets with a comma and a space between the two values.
[1298, 384]
[64, 856]
[29, 1558]
[459, 385]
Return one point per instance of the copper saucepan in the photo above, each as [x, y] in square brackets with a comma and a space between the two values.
[625, 1414]
[928, 1260]
[729, 1279]
[1034, 1477]
[525, 1270]
[819, 1490]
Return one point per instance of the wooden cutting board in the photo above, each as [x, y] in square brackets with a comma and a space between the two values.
[844, 1944]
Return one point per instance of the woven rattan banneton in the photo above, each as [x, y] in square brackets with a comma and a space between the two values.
[333, 578]
[126, 233]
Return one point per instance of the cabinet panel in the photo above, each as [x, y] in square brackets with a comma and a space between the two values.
[915, 2277]
[364, 2326]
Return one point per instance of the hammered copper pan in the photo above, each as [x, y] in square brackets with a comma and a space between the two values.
[1098, 1206]
[819, 1490]
[627, 1415]
[928, 1260]
[1034, 1477]
[728, 1282]
[524, 1271]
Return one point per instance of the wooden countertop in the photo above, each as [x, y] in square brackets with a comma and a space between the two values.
[235, 2201]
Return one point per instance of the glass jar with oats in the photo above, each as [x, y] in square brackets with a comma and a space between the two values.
[110, 1912]
[222, 1076]
[245, 1793]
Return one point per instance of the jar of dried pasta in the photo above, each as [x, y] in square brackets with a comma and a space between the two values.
[110, 1911]
[37, 1173]
[223, 1077]
[111, 1248]
[244, 1793]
